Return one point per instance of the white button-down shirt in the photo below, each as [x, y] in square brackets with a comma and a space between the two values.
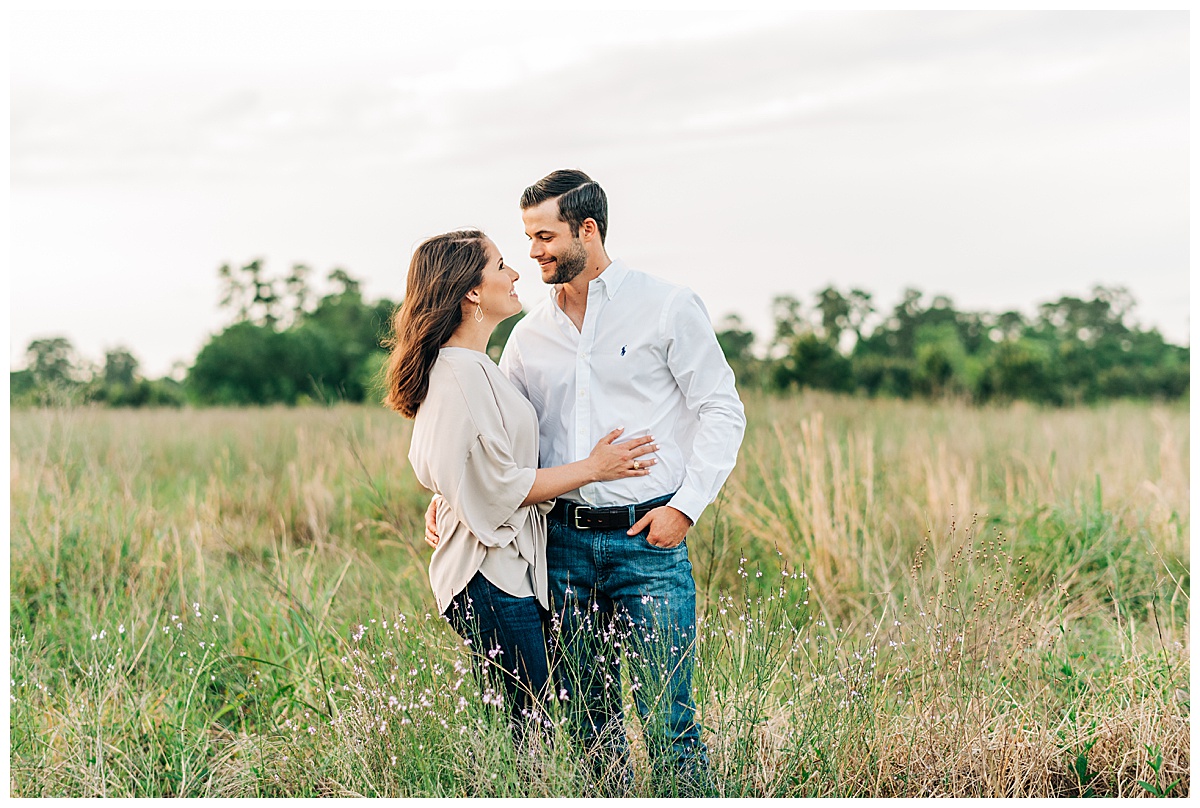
[646, 359]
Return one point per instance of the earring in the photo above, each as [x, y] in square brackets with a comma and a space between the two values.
[478, 313]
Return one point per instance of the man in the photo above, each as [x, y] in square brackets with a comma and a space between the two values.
[611, 346]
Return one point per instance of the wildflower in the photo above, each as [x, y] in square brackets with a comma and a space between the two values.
[121, 629]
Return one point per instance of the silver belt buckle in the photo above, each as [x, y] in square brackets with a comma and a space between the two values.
[579, 508]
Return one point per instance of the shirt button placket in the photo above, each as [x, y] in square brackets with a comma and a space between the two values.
[583, 410]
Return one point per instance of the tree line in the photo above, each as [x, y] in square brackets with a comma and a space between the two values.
[286, 345]
[1072, 350]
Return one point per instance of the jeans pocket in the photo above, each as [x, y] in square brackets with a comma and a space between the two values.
[644, 538]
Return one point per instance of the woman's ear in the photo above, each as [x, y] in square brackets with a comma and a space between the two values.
[473, 296]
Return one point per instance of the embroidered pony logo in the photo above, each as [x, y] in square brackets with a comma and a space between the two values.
[623, 347]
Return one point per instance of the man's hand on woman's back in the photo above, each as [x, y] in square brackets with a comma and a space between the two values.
[431, 534]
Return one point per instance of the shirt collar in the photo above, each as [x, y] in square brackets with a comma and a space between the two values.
[610, 281]
[612, 277]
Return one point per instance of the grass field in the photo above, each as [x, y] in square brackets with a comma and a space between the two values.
[898, 599]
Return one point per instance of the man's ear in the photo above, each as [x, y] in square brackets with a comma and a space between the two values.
[588, 229]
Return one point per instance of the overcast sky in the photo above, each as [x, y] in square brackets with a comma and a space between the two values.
[1002, 159]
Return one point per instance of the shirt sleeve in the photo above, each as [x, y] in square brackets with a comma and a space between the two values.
[706, 381]
[479, 479]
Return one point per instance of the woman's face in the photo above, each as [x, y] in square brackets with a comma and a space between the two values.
[497, 294]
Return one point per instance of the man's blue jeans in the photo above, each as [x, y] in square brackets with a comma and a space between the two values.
[508, 641]
[614, 595]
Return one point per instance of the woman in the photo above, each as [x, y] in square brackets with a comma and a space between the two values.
[475, 443]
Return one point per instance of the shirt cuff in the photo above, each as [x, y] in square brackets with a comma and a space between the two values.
[690, 504]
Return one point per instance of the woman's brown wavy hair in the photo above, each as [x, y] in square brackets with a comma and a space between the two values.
[443, 269]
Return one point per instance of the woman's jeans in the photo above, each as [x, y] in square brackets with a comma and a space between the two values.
[508, 647]
[613, 596]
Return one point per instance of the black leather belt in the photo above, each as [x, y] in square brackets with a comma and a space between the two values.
[585, 517]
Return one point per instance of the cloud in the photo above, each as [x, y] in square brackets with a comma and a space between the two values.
[926, 69]
[987, 155]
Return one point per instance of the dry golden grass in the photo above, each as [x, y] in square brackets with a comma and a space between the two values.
[899, 600]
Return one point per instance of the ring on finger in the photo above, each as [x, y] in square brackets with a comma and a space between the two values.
[636, 465]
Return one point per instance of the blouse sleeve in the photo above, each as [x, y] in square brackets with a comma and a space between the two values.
[475, 469]
[492, 489]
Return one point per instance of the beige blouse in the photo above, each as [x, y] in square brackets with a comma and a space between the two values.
[475, 442]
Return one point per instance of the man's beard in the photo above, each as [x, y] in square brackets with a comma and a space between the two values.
[568, 266]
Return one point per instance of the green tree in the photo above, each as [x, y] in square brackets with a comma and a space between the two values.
[329, 351]
[788, 314]
[735, 340]
[244, 364]
[297, 288]
[250, 294]
[22, 388]
[737, 344]
[120, 367]
[861, 309]
[879, 375]
[941, 361]
[813, 362]
[1020, 368]
[834, 309]
[499, 337]
[355, 329]
[54, 362]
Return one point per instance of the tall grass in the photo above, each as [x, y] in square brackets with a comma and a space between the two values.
[896, 599]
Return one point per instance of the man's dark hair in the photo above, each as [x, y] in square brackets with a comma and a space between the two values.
[578, 197]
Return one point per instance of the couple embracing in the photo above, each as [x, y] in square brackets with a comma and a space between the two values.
[548, 527]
